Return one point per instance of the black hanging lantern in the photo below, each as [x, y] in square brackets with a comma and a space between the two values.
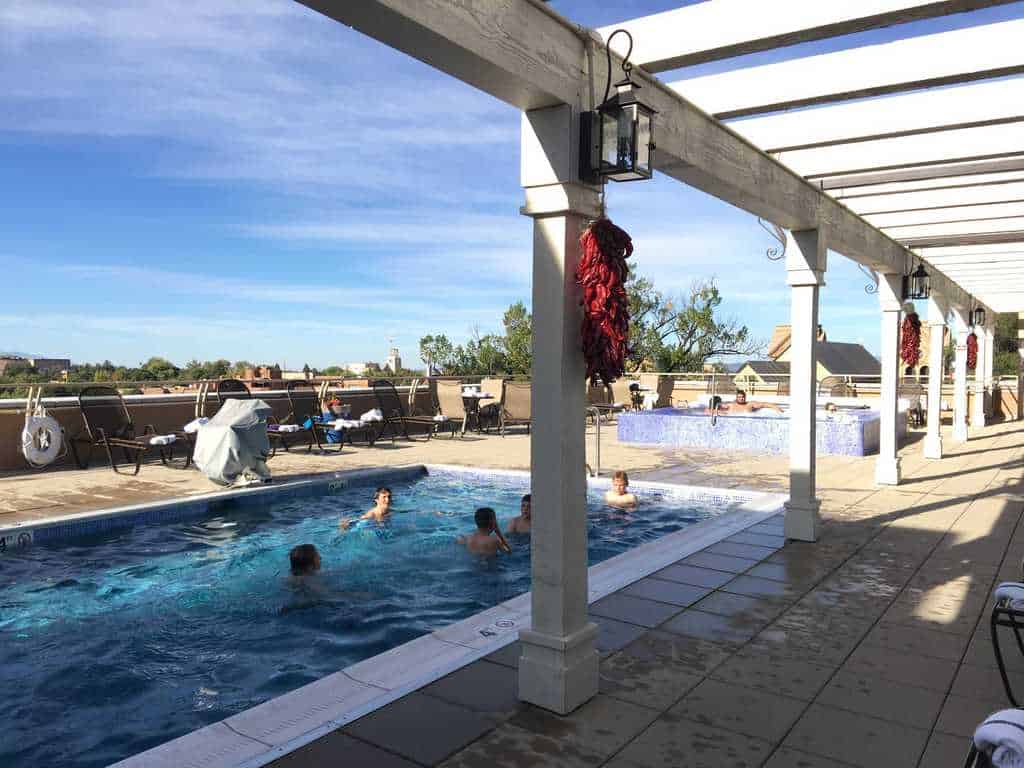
[617, 139]
[978, 317]
[917, 285]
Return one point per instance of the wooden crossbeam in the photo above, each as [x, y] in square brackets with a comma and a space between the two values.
[956, 228]
[864, 181]
[871, 70]
[937, 198]
[990, 102]
[967, 183]
[961, 213]
[724, 28]
[958, 145]
[526, 54]
[986, 238]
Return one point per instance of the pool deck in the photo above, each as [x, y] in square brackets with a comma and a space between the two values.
[869, 647]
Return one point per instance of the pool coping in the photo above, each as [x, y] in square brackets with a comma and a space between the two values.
[268, 731]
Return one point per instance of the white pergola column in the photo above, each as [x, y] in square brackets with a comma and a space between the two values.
[805, 274]
[990, 361]
[1020, 368]
[887, 465]
[960, 376]
[937, 311]
[978, 404]
[558, 669]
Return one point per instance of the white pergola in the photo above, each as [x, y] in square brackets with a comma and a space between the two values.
[886, 154]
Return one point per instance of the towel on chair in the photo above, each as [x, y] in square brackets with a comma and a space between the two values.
[1001, 737]
[195, 424]
[283, 428]
[1013, 593]
[162, 439]
[372, 415]
[440, 417]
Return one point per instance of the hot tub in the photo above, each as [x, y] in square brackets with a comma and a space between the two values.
[847, 432]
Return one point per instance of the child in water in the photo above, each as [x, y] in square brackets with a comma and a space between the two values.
[380, 512]
[481, 541]
[521, 524]
[618, 495]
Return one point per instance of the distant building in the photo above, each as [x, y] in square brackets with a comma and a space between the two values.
[921, 370]
[48, 366]
[360, 369]
[262, 372]
[834, 359]
[394, 361]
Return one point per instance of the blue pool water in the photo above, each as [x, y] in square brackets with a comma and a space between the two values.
[117, 642]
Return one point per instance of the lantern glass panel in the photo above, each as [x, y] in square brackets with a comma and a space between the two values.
[610, 142]
[643, 143]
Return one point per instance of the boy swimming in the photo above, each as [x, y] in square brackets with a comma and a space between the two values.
[521, 524]
[481, 542]
[304, 559]
[380, 512]
[618, 495]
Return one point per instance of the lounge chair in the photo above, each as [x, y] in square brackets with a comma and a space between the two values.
[452, 406]
[1008, 612]
[109, 424]
[490, 406]
[515, 405]
[306, 412]
[998, 741]
[396, 419]
[601, 398]
[663, 385]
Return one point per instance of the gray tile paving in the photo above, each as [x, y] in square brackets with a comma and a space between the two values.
[673, 742]
[409, 726]
[690, 574]
[482, 686]
[748, 551]
[869, 694]
[613, 635]
[719, 562]
[635, 610]
[750, 667]
[671, 592]
[711, 626]
[905, 668]
[338, 748]
[743, 710]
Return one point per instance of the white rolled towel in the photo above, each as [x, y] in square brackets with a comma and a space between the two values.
[195, 424]
[1001, 737]
[348, 424]
[284, 428]
[162, 439]
[372, 415]
[1013, 592]
[440, 417]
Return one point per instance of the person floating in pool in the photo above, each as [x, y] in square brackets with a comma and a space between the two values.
[741, 405]
[618, 495]
[487, 538]
[381, 509]
[304, 559]
[521, 524]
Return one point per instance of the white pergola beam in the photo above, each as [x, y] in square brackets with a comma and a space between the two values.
[957, 228]
[725, 28]
[905, 114]
[945, 215]
[870, 70]
[865, 182]
[959, 145]
[529, 56]
[965, 183]
[938, 198]
[972, 251]
[980, 238]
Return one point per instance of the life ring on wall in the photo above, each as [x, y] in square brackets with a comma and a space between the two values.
[41, 440]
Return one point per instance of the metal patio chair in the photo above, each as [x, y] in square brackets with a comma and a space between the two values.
[515, 406]
[304, 405]
[453, 407]
[108, 424]
[1005, 615]
[396, 419]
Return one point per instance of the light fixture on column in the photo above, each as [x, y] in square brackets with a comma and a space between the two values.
[917, 285]
[617, 139]
[978, 317]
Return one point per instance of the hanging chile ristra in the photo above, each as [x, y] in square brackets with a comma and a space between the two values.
[602, 273]
[910, 339]
[972, 351]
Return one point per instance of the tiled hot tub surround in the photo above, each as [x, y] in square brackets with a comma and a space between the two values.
[260, 735]
[845, 433]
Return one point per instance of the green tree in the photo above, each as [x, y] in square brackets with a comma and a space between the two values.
[438, 354]
[159, 369]
[681, 335]
[518, 341]
[1006, 357]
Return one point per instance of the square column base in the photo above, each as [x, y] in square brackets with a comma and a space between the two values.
[558, 673]
[933, 446]
[960, 433]
[887, 471]
[802, 520]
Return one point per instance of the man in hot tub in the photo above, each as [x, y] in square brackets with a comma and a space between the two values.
[742, 405]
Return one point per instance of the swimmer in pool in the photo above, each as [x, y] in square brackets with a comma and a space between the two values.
[618, 495]
[481, 541]
[742, 405]
[521, 524]
[381, 509]
[304, 559]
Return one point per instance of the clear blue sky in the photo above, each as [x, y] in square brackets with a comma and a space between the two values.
[251, 180]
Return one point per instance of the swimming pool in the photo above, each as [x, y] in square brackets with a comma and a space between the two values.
[124, 639]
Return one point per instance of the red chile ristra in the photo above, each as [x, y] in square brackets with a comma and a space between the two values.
[602, 274]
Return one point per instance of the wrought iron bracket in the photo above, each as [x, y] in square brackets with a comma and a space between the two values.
[774, 254]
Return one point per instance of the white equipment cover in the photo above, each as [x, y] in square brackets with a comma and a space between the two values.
[234, 442]
[41, 439]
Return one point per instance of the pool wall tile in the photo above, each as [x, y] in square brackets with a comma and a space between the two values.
[848, 433]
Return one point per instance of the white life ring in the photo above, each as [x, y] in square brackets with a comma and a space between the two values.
[41, 440]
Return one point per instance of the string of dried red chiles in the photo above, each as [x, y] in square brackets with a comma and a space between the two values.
[602, 274]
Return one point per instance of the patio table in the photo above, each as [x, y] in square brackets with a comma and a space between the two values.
[471, 402]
